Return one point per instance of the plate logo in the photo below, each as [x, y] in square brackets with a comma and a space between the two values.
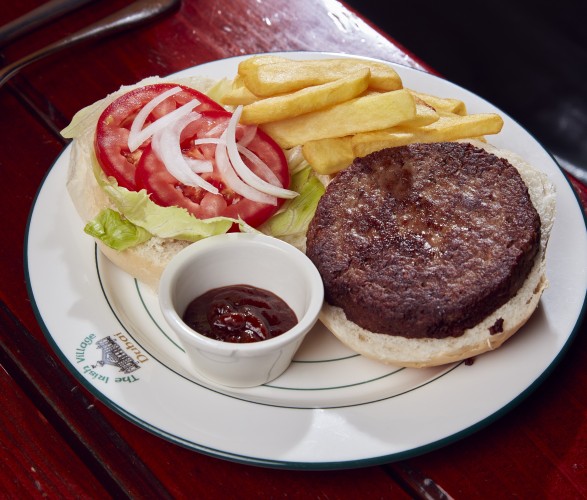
[113, 358]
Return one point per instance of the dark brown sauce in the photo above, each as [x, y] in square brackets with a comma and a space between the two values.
[239, 314]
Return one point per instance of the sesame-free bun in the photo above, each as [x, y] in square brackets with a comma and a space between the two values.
[147, 260]
[425, 352]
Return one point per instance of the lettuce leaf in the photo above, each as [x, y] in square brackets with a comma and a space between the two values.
[115, 231]
[296, 214]
[137, 218]
[136, 208]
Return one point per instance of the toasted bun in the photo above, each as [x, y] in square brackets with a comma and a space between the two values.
[419, 353]
[147, 260]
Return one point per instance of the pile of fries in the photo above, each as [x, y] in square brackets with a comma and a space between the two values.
[339, 109]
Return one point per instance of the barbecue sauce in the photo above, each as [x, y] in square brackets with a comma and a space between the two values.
[239, 314]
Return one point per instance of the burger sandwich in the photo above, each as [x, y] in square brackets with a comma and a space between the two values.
[158, 165]
[430, 253]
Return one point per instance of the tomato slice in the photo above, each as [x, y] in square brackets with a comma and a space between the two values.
[111, 139]
[165, 190]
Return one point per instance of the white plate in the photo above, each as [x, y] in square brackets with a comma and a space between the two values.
[331, 409]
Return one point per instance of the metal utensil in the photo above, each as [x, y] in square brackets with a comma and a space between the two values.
[37, 17]
[135, 14]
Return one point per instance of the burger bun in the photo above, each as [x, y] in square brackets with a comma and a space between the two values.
[418, 353]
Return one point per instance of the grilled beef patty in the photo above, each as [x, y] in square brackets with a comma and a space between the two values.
[425, 240]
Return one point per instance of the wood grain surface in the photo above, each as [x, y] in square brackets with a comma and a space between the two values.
[57, 440]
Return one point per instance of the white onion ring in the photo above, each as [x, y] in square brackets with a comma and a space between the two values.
[134, 140]
[249, 133]
[241, 168]
[217, 130]
[267, 173]
[139, 136]
[199, 166]
[233, 181]
[166, 145]
[166, 133]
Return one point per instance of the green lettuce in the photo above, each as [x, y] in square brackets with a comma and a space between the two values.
[116, 231]
[136, 208]
[137, 218]
[296, 214]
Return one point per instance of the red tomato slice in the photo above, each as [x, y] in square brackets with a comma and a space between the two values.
[165, 190]
[111, 140]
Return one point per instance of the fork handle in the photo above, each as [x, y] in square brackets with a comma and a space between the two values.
[135, 14]
[37, 17]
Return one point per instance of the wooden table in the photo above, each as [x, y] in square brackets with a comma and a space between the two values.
[56, 439]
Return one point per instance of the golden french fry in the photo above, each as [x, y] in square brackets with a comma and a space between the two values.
[328, 156]
[306, 100]
[252, 63]
[331, 110]
[370, 112]
[446, 104]
[238, 94]
[282, 77]
[363, 144]
[220, 88]
[449, 127]
[425, 114]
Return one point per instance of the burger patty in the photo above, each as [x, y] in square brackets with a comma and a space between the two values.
[425, 240]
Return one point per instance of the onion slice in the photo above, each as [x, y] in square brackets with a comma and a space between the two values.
[217, 130]
[241, 168]
[249, 134]
[233, 181]
[166, 144]
[263, 167]
[139, 122]
[199, 166]
[138, 134]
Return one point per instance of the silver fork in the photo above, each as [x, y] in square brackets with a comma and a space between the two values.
[43, 14]
[135, 14]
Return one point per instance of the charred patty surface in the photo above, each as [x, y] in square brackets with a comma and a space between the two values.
[424, 241]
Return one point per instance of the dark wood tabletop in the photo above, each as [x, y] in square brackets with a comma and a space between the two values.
[59, 440]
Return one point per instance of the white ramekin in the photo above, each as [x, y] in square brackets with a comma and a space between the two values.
[234, 259]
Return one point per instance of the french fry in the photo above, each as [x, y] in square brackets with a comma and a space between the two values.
[339, 109]
[449, 127]
[274, 78]
[442, 104]
[329, 156]
[251, 64]
[425, 114]
[361, 114]
[219, 88]
[306, 100]
[238, 94]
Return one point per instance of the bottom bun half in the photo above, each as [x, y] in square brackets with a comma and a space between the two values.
[420, 353]
[145, 261]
